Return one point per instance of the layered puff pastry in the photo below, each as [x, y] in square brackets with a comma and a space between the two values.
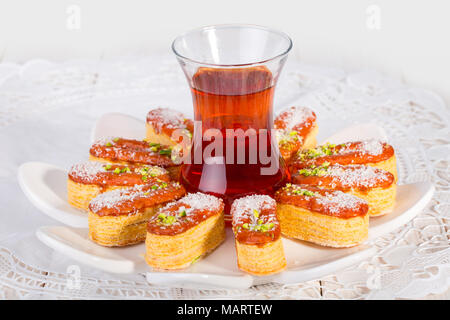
[163, 122]
[134, 152]
[257, 235]
[184, 231]
[296, 129]
[326, 217]
[119, 217]
[372, 152]
[87, 180]
[374, 185]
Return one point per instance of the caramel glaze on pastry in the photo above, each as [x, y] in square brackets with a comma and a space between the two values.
[119, 217]
[323, 216]
[184, 231]
[257, 235]
[87, 180]
[296, 129]
[129, 151]
[162, 122]
[374, 185]
[369, 152]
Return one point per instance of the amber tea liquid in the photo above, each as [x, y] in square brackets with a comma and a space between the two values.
[231, 99]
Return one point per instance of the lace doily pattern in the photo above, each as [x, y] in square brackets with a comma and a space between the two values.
[411, 262]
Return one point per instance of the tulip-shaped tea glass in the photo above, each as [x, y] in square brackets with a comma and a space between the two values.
[232, 71]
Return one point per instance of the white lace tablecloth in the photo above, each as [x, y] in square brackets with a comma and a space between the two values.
[48, 109]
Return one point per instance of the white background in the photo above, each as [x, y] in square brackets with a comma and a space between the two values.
[412, 43]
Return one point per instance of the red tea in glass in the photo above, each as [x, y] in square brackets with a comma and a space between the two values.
[232, 71]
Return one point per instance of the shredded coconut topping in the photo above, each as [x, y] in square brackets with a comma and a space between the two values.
[87, 170]
[245, 207]
[294, 116]
[337, 201]
[356, 175]
[166, 117]
[196, 201]
[371, 147]
[114, 198]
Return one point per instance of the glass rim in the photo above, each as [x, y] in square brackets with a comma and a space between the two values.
[233, 25]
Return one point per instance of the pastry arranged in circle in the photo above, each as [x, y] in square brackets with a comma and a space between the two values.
[296, 129]
[163, 122]
[373, 153]
[257, 235]
[87, 180]
[325, 217]
[374, 185]
[184, 231]
[119, 217]
[134, 152]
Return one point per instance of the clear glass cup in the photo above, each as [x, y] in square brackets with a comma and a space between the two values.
[232, 71]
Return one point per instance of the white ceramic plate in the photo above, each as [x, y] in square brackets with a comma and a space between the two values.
[46, 187]
[305, 261]
[118, 125]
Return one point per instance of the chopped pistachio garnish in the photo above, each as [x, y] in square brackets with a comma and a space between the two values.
[109, 144]
[196, 259]
[154, 187]
[293, 133]
[144, 178]
[154, 144]
[117, 170]
[260, 226]
[327, 149]
[182, 213]
[167, 220]
[107, 167]
[165, 152]
[315, 171]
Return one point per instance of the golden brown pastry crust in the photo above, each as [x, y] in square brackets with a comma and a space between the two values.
[296, 130]
[87, 180]
[303, 224]
[326, 217]
[79, 195]
[181, 250]
[161, 124]
[118, 231]
[261, 260]
[258, 243]
[184, 231]
[119, 217]
[374, 185]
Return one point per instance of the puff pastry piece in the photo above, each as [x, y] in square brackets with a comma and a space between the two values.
[134, 152]
[374, 185]
[326, 217]
[373, 153]
[87, 180]
[296, 129]
[257, 235]
[119, 217]
[184, 231]
[163, 122]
